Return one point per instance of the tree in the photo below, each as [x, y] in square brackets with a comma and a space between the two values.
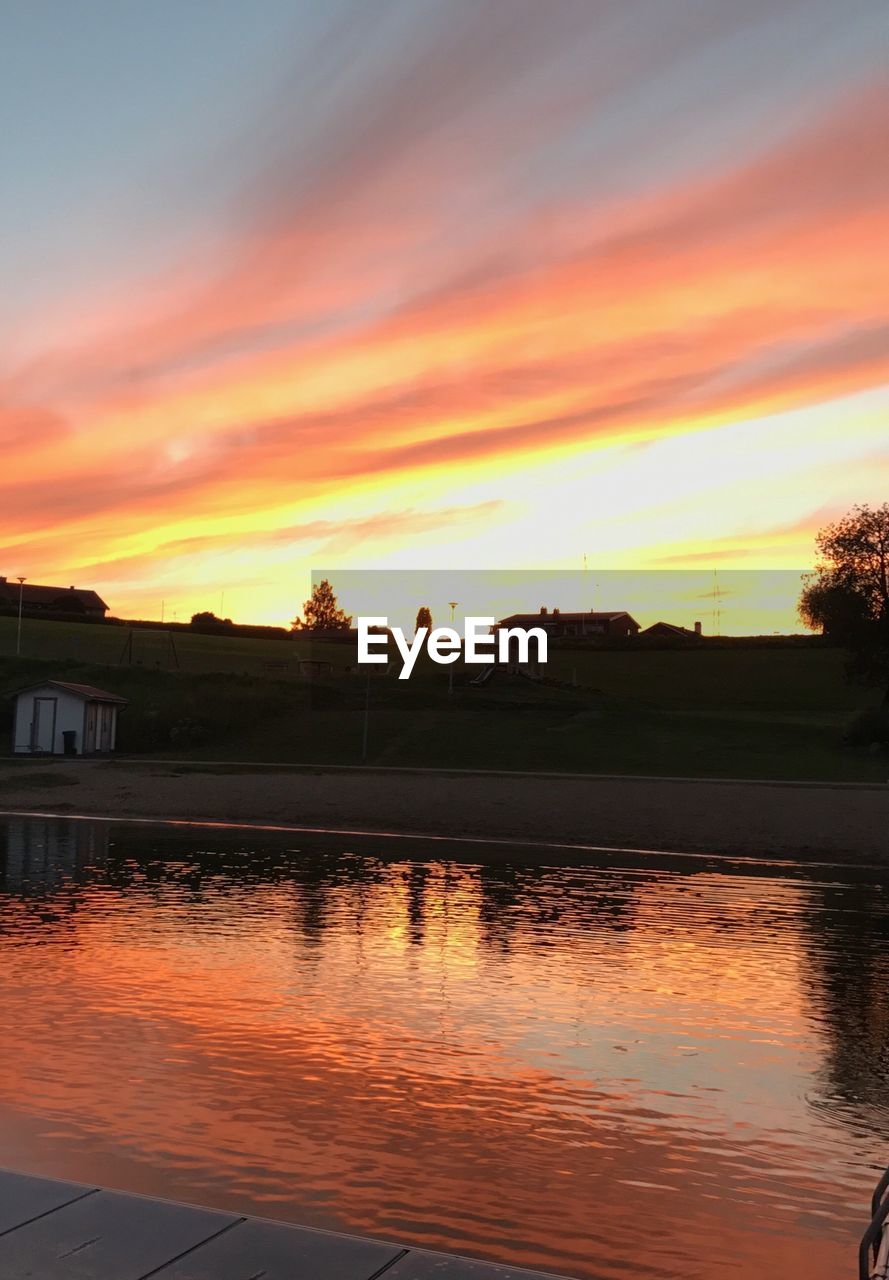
[847, 597]
[208, 621]
[321, 611]
[424, 617]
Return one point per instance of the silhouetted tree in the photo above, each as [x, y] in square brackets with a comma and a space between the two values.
[322, 612]
[848, 595]
[424, 617]
[207, 621]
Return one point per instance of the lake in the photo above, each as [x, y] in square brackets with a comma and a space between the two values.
[660, 1065]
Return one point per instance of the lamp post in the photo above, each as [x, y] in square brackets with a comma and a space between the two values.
[364, 736]
[453, 604]
[18, 638]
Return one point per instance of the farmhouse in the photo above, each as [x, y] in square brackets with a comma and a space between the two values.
[59, 718]
[670, 631]
[590, 623]
[37, 599]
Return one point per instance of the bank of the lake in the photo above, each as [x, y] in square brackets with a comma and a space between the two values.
[764, 819]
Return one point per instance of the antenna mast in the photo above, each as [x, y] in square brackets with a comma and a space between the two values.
[717, 595]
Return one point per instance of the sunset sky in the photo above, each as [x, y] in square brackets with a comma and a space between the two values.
[435, 283]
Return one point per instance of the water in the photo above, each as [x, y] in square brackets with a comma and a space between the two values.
[671, 1068]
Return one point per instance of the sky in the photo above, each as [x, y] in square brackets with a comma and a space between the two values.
[435, 285]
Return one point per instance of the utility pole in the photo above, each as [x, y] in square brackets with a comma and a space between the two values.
[366, 721]
[453, 604]
[717, 599]
[583, 610]
[18, 639]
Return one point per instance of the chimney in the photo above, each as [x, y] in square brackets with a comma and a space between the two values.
[697, 628]
[543, 610]
[2, 577]
[555, 613]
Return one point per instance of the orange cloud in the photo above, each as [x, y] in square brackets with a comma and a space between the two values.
[293, 379]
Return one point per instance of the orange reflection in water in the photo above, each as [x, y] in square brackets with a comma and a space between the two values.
[516, 1061]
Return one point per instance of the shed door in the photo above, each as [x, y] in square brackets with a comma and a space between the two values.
[106, 726]
[43, 724]
[89, 729]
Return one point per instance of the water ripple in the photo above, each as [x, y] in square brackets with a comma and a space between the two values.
[515, 1059]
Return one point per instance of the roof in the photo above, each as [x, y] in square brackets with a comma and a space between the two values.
[588, 615]
[672, 627]
[50, 597]
[88, 692]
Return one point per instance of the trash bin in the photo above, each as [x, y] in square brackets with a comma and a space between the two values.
[69, 739]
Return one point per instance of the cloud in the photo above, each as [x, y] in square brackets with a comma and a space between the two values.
[323, 537]
[442, 261]
[26, 426]
[389, 182]
[752, 540]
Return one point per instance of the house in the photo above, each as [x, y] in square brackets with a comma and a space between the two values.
[60, 718]
[669, 631]
[589, 623]
[37, 599]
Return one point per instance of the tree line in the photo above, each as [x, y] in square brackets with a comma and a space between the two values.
[846, 598]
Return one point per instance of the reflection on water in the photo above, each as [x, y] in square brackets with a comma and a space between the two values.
[675, 1069]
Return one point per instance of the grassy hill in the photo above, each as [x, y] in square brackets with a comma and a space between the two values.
[105, 644]
[767, 712]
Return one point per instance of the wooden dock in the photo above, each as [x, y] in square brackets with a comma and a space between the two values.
[67, 1231]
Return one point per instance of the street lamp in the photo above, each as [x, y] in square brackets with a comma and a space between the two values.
[453, 604]
[18, 639]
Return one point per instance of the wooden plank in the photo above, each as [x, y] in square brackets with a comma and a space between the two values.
[419, 1265]
[277, 1251]
[106, 1236]
[23, 1197]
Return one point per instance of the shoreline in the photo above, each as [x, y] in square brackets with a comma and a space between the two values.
[766, 820]
[187, 765]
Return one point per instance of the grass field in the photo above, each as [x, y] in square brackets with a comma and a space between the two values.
[737, 712]
[87, 642]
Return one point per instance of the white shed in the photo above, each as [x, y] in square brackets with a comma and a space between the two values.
[45, 714]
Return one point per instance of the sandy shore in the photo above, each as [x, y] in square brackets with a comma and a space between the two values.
[750, 818]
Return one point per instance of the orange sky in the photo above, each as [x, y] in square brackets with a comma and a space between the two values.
[470, 289]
